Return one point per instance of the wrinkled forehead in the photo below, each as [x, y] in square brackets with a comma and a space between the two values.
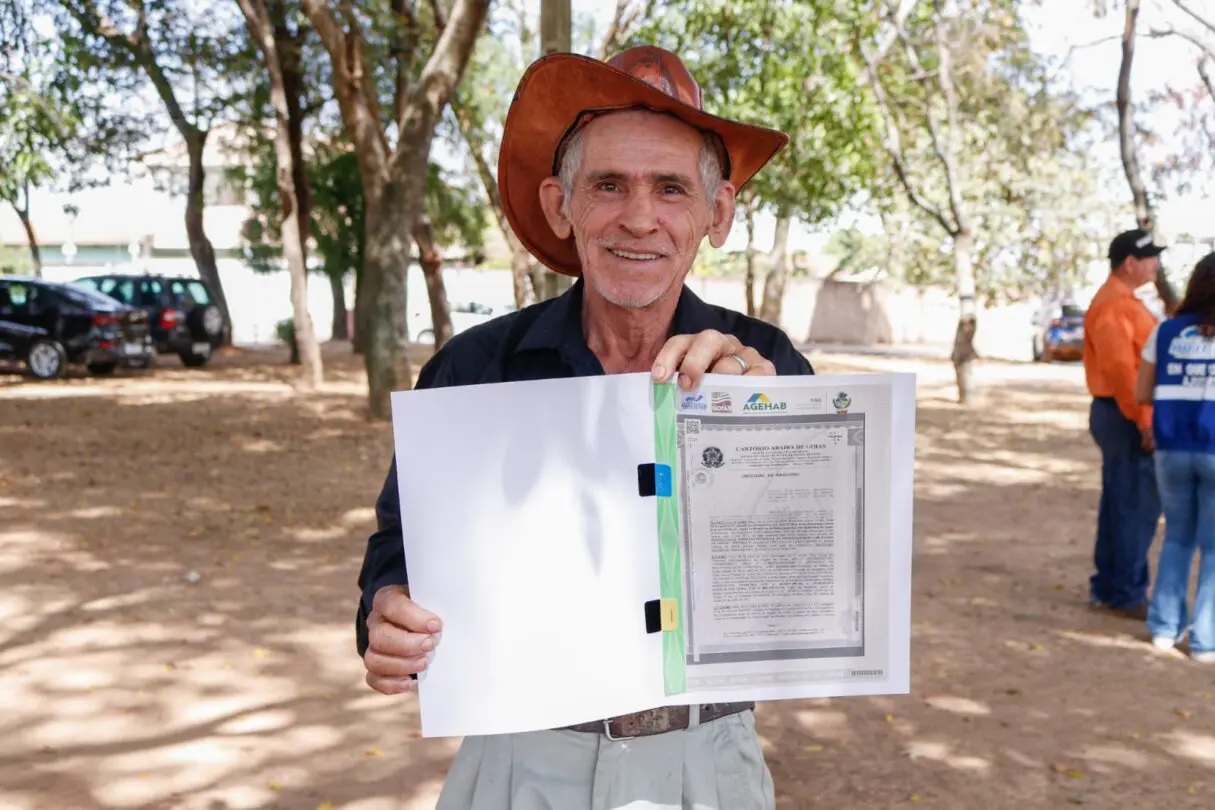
[640, 123]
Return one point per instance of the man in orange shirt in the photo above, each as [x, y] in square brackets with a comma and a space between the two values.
[1116, 327]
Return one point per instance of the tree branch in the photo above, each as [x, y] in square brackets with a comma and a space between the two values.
[898, 11]
[362, 126]
[1206, 78]
[1205, 23]
[623, 18]
[440, 15]
[404, 45]
[953, 138]
[1130, 160]
[894, 147]
[934, 130]
[1159, 33]
[444, 68]
[138, 46]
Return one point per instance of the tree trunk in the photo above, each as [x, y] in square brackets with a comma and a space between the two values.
[535, 275]
[393, 177]
[294, 86]
[432, 271]
[340, 313]
[358, 342]
[200, 245]
[778, 272]
[749, 283]
[23, 213]
[521, 262]
[520, 268]
[305, 346]
[384, 271]
[964, 353]
[1144, 214]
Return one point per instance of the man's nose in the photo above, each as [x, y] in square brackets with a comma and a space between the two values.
[640, 215]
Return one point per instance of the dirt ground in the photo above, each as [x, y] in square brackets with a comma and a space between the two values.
[178, 554]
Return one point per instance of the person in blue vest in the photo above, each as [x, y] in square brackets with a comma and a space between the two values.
[1178, 377]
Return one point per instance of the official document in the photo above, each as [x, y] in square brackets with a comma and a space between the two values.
[603, 545]
[773, 538]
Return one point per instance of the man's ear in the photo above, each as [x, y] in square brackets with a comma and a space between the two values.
[722, 214]
[552, 200]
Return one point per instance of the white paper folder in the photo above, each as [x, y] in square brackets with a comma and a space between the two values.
[533, 516]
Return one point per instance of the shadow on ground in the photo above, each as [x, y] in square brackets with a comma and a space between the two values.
[177, 562]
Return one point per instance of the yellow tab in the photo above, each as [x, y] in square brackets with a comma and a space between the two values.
[669, 610]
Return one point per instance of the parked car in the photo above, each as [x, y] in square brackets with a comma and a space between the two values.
[182, 315]
[1059, 333]
[464, 315]
[48, 325]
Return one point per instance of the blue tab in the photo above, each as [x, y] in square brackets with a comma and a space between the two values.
[662, 480]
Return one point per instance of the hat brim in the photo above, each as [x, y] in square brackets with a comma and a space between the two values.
[552, 94]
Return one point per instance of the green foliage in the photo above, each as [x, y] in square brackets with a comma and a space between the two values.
[786, 66]
[456, 210]
[337, 211]
[1027, 179]
[58, 124]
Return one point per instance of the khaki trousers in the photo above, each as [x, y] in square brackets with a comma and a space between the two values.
[710, 766]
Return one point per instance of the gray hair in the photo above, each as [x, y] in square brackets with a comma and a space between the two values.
[709, 166]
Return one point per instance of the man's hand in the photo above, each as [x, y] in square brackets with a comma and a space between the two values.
[709, 351]
[399, 635]
[1146, 439]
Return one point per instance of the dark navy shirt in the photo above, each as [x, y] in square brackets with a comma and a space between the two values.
[540, 342]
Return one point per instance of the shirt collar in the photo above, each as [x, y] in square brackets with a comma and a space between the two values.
[560, 325]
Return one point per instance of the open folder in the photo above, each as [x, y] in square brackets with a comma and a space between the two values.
[597, 546]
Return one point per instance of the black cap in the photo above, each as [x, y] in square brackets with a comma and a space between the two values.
[1137, 243]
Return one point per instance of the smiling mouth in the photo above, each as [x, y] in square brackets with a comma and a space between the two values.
[634, 255]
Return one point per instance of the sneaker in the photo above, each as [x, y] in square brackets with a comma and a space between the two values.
[1164, 642]
[1204, 657]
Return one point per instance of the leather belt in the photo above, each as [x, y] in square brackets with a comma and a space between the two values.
[658, 721]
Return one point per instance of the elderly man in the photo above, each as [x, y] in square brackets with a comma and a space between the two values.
[1116, 328]
[610, 172]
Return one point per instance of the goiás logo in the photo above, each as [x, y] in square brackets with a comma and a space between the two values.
[694, 402]
[761, 402]
[722, 402]
[841, 402]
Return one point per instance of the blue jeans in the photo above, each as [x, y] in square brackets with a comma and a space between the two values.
[1129, 510]
[1187, 487]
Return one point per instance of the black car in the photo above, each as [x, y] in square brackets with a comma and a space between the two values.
[182, 315]
[47, 326]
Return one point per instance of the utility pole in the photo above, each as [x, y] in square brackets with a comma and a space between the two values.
[556, 35]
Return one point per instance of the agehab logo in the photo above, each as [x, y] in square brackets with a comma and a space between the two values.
[761, 402]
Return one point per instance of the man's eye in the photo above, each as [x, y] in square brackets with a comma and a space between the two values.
[672, 189]
[608, 185]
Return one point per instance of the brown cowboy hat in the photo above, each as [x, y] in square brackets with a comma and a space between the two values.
[562, 91]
